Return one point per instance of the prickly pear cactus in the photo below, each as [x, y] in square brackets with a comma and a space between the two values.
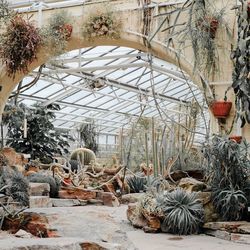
[241, 57]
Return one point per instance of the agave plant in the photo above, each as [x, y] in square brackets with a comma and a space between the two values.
[230, 204]
[136, 183]
[183, 212]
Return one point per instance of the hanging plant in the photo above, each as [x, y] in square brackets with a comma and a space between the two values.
[102, 24]
[241, 57]
[19, 45]
[58, 32]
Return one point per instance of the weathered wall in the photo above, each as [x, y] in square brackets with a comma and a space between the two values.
[131, 15]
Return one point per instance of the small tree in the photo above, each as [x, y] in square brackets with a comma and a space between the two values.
[43, 140]
[88, 135]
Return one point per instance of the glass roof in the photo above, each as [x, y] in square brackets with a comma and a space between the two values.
[112, 85]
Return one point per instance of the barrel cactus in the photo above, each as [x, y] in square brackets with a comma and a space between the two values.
[84, 155]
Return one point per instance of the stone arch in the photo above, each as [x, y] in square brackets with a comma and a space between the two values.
[127, 39]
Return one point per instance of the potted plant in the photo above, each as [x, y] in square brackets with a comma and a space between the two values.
[19, 45]
[236, 138]
[221, 109]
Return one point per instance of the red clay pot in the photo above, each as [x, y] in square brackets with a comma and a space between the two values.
[221, 109]
[236, 138]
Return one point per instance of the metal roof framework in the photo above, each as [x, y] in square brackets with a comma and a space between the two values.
[112, 85]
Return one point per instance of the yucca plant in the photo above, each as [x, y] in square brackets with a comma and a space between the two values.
[183, 212]
[230, 204]
[136, 184]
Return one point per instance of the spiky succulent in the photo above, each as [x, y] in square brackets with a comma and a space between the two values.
[230, 204]
[15, 185]
[183, 212]
[136, 183]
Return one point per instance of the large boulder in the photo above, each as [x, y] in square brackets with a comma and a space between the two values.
[209, 210]
[192, 185]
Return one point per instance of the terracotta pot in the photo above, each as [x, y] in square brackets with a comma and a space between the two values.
[221, 109]
[236, 138]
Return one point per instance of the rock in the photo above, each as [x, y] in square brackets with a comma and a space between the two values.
[33, 223]
[244, 229]
[209, 210]
[131, 198]
[154, 222]
[39, 189]
[147, 229]
[23, 234]
[229, 226]
[77, 193]
[240, 238]
[136, 219]
[179, 174]
[191, 184]
[65, 202]
[95, 202]
[39, 201]
[224, 235]
[109, 187]
[108, 199]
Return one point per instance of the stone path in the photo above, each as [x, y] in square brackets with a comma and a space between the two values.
[108, 226]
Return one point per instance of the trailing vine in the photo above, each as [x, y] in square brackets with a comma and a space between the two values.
[19, 45]
[241, 57]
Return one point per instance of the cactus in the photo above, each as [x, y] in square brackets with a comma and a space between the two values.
[44, 178]
[16, 185]
[83, 155]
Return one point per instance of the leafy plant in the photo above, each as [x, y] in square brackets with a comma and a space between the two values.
[102, 23]
[183, 212]
[57, 33]
[19, 45]
[241, 57]
[43, 140]
[88, 135]
[136, 183]
[230, 204]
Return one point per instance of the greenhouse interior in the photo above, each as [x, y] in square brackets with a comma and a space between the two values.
[125, 124]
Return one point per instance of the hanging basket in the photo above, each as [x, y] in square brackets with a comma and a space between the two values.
[221, 109]
[236, 138]
[66, 29]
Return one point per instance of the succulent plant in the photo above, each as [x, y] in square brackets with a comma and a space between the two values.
[230, 204]
[183, 212]
[45, 178]
[84, 155]
[15, 185]
[136, 184]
